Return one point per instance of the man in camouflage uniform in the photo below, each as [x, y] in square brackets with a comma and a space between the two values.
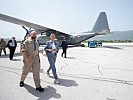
[2, 46]
[31, 59]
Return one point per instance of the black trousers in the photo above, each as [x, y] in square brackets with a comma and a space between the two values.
[64, 52]
[12, 50]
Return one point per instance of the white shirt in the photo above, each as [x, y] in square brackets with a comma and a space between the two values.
[13, 43]
[53, 46]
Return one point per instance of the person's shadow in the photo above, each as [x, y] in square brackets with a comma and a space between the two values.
[67, 83]
[15, 55]
[49, 92]
[70, 58]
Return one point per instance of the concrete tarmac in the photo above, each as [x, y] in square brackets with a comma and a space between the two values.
[103, 73]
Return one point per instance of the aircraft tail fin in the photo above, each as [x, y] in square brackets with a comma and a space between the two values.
[101, 25]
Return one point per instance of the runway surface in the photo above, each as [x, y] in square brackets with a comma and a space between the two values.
[103, 73]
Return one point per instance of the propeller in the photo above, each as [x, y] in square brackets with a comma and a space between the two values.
[27, 32]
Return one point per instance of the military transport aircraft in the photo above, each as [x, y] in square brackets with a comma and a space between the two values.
[100, 27]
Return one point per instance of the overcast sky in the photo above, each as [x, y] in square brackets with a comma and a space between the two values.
[69, 16]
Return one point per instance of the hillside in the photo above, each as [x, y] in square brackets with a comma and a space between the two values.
[115, 35]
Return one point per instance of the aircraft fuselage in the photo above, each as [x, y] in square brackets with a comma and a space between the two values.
[71, 40]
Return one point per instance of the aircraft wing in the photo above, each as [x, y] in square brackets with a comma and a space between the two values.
[103, 32]
[37, 27]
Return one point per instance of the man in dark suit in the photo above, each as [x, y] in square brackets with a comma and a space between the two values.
[12, 44]
[64, 47]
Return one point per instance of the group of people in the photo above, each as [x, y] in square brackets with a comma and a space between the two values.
[31, 59]
[12, 44]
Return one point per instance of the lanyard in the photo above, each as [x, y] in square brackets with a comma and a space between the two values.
[34, 45]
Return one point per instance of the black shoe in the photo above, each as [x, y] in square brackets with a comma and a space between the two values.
[40, 89]
[48, 74]
[62, 54]
[21, 84]
[5, 53]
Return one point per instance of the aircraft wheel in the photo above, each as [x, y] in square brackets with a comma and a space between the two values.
[82, 45]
